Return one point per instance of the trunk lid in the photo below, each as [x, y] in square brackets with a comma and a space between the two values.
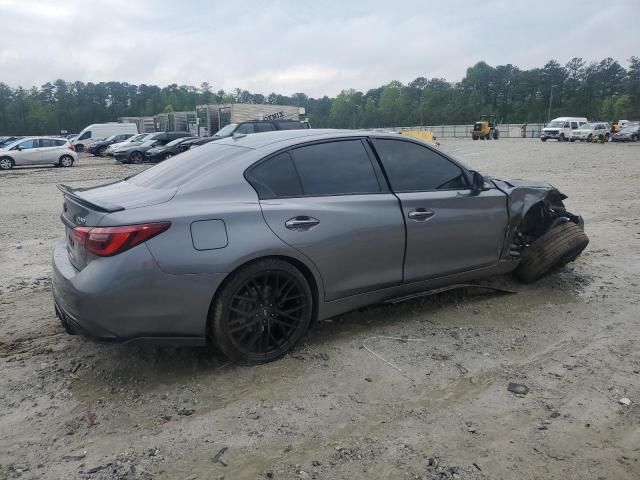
[86, 207]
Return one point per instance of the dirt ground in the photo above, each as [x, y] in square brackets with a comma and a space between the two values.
[332, 410]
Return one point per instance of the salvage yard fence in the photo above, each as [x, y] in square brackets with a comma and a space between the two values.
[507, 130]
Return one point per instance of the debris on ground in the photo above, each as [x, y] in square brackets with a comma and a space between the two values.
[518, 388]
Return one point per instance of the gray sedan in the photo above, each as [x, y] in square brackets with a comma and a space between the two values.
[246, 241]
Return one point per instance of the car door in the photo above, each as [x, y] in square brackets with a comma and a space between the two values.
[450, 228]
[27, 152]
[49, 150]
[329, 201]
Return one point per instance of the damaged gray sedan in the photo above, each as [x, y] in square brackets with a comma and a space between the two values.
[245, 242]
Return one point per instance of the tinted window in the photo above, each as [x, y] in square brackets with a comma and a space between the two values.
[335, 168]
[574, 125]
[412, 167]
[245, 128]
[85, 135]
[276, 177]
[60, 143]
[182, 169]
[50, 142]
[289, 125]
[263, 127]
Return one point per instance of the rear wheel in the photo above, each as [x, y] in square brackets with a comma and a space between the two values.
[544, 139]
[559, 246]
[65, 161]
[136, 157]
[167, 156]
[79, 147]
[262, 312]
[102, 151]
[6, 163]
[589, 138]
[496, 134]
[561, 138]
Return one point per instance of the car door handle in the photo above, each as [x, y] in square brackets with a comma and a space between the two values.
[301, 223]
[420, 214]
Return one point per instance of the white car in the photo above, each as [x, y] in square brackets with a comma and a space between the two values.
[560, 128]
[137, 139]
[38, 151]
[591, 131]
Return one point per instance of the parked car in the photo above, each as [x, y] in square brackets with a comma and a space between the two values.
[135, 153]
[245, 241]
[135, 140]
[7, 140]
[259, 126]
[197, 142]
[100, 131]
[592, 131]
[99, 148]
[630, 133]
[560, 128]
[38, 151]
[165, 152]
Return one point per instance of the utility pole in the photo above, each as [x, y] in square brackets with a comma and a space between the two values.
[550, 100]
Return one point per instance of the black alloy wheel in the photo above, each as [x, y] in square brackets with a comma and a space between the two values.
[262, 312]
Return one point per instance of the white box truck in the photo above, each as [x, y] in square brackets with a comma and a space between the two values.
[100, 131]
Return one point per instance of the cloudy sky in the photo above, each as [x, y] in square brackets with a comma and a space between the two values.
[318, 47]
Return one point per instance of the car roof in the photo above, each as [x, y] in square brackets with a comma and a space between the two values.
[284, 138]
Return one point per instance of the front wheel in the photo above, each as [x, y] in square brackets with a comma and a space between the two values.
[544, 139]
[261, 312]
[589, 138]
[559, 246]
[102, 151]
[561, 138]
[66, 161]
[168, 156]
[6, 163]
[496, 134]
[634, 138]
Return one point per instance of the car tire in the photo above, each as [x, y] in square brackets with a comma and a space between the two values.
[65, 161]
[79, 147]
[136, 157]
[6, 163]
[634, 138]
[474, 137]
[589, 138]
[606, 137]
[559, 246]
[496, 134]
[167, 156]
[261, 312]
[544, 139]
[561, 138]
[101, 151]
[572, 140]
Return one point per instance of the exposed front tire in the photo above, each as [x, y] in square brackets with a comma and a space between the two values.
[6, 163]
[559, 246]
[262, 311]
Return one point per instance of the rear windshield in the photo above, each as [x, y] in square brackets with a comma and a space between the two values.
[181, 169]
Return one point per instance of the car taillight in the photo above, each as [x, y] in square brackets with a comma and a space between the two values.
[109, 241]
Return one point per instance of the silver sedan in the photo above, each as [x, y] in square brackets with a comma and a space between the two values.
[244, 242]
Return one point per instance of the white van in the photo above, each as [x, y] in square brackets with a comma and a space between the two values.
[560, 128]
[100, 131]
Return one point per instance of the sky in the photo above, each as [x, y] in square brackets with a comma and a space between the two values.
[317, 47]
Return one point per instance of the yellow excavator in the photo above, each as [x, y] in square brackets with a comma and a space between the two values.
[485, 129]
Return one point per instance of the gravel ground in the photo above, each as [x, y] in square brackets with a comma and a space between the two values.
[331, 410]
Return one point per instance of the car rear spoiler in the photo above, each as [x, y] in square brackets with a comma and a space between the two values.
[72, 193]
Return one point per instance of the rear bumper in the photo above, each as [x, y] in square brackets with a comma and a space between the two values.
[128, 298]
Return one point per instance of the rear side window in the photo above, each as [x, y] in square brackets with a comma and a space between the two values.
[85, 135]
[335, 168]
[289, 125]
[47, 142]
[276, 177]
[413, 168]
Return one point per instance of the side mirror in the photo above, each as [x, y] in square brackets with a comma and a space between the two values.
[478, 183]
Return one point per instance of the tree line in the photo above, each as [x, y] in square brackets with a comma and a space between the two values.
[603, 90]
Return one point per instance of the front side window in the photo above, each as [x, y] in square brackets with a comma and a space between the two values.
[85, 135]
[413, 168]
[27, 144]
[574, 125]
[335, 168]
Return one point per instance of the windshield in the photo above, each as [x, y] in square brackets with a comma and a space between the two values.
[556, 124]
[112, 137]
[138, 138]
[179, 170]
[175, 142]
[226, 131]
[148, 143]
